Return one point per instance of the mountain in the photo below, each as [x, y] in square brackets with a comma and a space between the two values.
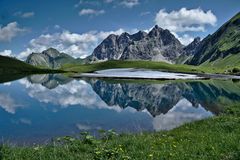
[220, 49]
[190, 49]
[160, 98]
[50, 58]
[157, 45]
[49, 81]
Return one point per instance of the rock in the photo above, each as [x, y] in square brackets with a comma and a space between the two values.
[157, 45]
[50, 58]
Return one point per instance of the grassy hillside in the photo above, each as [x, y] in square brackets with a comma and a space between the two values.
[226, 63]
[12, 65]
[12, 69]
[220, 48]
[214, 138]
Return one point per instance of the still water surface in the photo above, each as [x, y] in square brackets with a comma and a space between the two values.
[38, 108]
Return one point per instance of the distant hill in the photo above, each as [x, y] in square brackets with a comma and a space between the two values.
[11, 65]
[222, 48]
[12, 69]
[51, 58]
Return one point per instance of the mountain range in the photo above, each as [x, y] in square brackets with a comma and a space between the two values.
[222, 48]
[160, 98]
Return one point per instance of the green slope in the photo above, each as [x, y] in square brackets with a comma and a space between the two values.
[10, 65]
[12, 69]
[139, 64]
[216, 49]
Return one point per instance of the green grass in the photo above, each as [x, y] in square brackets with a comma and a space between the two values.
[8, 64]
[140, 64]
[12, 65]
[226, 63]
[12, 69]
[214, 138]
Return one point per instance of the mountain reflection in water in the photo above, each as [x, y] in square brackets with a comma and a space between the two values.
[41, 107]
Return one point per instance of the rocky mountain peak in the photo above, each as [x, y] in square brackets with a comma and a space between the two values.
[139, 35]
[155, 32]
[191, 48]
[52, 52]
[197, 40]
[125, 34]
[157, 45]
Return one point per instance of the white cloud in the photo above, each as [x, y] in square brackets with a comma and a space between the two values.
[87, 2]
[28, 14]
[8, 103]
[10, 31]
[91, 12]
[183, 112]
[108, 1]
[185, 19]
[74, 44]
[67, 95]
[25, 15]
[185, 39]
[145, 13]
[57, 26]
[129, 3]
[6, 53]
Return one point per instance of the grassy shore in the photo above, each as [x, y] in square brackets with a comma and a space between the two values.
[82, 68]
[12, 69]
[181, 68]
[214, 138]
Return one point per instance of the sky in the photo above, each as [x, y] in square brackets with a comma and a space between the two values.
[76, 27]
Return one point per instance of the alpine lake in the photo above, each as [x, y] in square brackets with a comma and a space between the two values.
[39, 108]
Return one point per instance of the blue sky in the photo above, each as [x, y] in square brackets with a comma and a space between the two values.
[78, 26]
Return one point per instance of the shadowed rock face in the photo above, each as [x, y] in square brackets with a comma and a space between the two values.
[158, 45]
[192, 47]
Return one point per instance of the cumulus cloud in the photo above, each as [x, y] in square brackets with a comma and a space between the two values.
[129, 3]
[67, 95]
[25, 14]
[8, 103]
[185, 19]
[183, 112]
[91, 12]
[185, 39]
[10, 31]
[74, 44]
[6, 53]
